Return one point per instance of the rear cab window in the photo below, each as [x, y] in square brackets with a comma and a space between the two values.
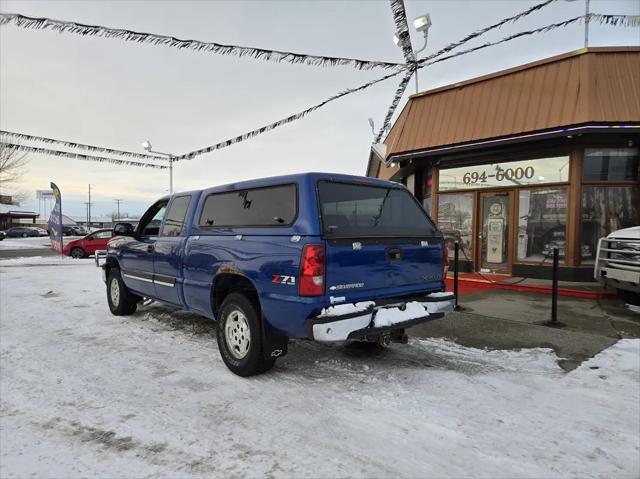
[351, 210]
[266, 206]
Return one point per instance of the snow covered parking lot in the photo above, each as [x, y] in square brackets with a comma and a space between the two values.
[84, 393]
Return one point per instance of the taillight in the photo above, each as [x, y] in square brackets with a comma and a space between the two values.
[312, 270]
[445, 259]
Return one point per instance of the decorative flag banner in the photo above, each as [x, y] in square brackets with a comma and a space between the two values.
[405, 81]
[55, 221]
[613, 20]
[62, 26]
[402, 30]
[274, 125]
[81, 146]
[604, 19]
[78, 156]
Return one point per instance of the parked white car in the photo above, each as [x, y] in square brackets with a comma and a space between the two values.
[618, 263]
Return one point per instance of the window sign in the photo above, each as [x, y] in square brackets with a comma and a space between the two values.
[513, 173]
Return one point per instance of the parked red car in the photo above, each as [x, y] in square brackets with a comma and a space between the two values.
[88, 245]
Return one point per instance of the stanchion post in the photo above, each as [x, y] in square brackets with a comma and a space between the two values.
[456, 257]
[553, 322]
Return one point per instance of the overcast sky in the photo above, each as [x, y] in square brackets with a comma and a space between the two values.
[115, 94]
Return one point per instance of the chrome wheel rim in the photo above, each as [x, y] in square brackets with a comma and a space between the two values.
[114, 291]
[237, 334]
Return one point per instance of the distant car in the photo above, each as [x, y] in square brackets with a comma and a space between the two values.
[79, 230]
[3, 235]
[41, 231]
[21, 232]
[88, 245]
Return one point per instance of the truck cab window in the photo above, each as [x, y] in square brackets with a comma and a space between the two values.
[175, 216]
[152, 219]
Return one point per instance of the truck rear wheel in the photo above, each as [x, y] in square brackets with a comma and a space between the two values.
[121, 301]
[239, 336]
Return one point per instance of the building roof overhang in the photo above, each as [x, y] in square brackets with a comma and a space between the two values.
[594, 89]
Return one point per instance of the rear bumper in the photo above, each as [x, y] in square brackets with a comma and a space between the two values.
[370, 319]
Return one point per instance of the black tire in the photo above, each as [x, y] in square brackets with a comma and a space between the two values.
[243, 318]
[77, 253]
[629, 297]
[123, 303]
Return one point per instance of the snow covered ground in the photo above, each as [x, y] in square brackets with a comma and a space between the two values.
[84, 393]
[42, 242]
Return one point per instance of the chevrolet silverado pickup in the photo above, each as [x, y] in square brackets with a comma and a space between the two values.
[326, 257]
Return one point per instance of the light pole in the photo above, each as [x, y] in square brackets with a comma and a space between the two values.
[147, 146]
[586, 21]
[421, 24]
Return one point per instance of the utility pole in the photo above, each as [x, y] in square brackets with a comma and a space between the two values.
[118, 203]
[89, 208]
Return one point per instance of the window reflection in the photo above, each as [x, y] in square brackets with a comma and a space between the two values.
[610, 164]
[455, 220]
[542, 222]
[604, 210]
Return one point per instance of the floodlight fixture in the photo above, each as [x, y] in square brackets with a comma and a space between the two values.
[147, 145]
[422, 23]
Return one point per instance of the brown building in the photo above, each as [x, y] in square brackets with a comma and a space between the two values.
[517, 162]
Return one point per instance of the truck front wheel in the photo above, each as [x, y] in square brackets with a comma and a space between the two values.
[121, 301]
[239, 336]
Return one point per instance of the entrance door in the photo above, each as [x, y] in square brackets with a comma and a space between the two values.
[495, 231]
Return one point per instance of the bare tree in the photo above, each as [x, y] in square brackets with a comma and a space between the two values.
[13, 165]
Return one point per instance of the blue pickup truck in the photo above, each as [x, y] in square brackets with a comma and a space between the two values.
[327, 257]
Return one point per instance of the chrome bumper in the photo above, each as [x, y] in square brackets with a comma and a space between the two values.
[368, 319]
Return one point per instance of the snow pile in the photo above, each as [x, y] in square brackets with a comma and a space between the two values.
[342, 309]
[390, 316]
[84, 393]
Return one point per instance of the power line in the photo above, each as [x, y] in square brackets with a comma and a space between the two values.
[81, 146]
[78, 156]
[279, 56]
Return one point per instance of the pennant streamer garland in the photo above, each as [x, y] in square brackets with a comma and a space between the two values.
[400, 91]
[407, 68]
[78, 156]
[70, 144]
[284, 121]
[62, 26]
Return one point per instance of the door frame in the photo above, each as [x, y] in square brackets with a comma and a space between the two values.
[512, 231]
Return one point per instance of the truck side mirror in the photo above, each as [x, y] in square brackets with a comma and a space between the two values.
[123, 229]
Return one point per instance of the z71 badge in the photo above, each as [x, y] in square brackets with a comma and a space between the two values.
[282, 279]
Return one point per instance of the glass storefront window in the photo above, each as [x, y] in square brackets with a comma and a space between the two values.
[610, 164]
[606, 209]
[512, 173]
[542, 223]
[455, 220]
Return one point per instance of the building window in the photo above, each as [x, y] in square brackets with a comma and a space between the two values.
[507, 174]
[542, 223]
[604, 210]
[610, 164]
[455, 220]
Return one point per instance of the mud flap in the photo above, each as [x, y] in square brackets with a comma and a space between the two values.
[273, 345]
